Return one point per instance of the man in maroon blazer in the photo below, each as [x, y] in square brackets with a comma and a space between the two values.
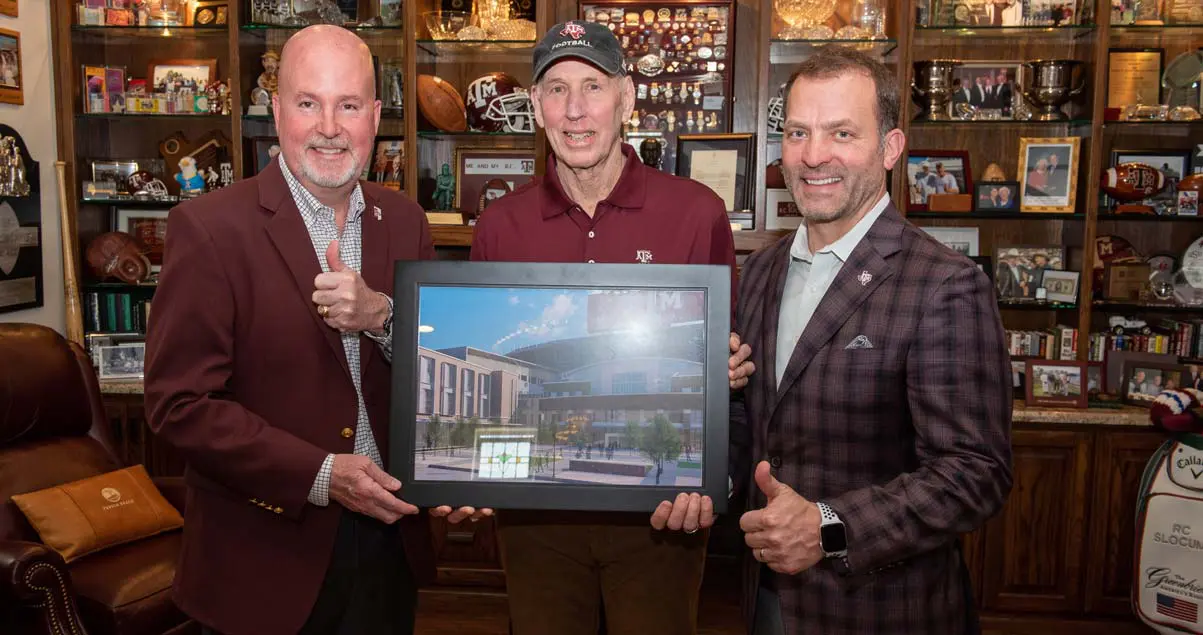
[877, 429]
[268, 368]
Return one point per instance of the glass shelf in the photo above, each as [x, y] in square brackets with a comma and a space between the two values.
[142, 116]
[1166, 30]
[1018, 32]
[794, 51]
[499, 50]
[258, 27]
[440, 134]
[1015, 215]
[128, 32]
[1147, 124]
[1135, 307]
[961, 123]
[118, 286]
[1035, 306]
[130, 202]
[1149, 218]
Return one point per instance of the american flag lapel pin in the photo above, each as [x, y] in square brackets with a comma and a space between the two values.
[376, 211]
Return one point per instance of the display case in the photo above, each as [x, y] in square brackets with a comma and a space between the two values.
[680, 54]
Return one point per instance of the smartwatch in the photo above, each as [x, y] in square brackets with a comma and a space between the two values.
[833, 538]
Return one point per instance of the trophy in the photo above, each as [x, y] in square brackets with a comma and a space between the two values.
[935, 78]
[1048, 85]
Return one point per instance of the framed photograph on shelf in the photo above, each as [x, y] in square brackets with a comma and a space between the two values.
[483, 175]
[1048, 172]
[1143, 381]
[12, 83]
[780, 210]
[936, 172]
[1134, 76]
[149, 227]
[722, 162]
[1096, 378]
[1173, 163]
[996, 196]
[1056, 383]
[987, 90]
[116, 171]
[263, 150]
[963, 240]
[123, 361]
[1060, 286]
[1115, 363]
[388, 163]
[1019, 270]
[174, 75]
[554, 403]
[208, 13]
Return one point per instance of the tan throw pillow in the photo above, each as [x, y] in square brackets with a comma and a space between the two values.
[95, 513]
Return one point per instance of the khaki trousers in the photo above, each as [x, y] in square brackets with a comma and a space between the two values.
[558, 575]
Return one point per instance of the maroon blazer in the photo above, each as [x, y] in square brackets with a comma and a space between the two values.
[895, 409]
[250, 385]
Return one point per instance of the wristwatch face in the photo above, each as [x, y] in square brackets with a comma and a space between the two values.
[832, 538]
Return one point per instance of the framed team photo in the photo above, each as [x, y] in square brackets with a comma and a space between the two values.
[590, 387]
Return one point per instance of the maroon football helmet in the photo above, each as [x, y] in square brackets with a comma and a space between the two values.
[496, 102]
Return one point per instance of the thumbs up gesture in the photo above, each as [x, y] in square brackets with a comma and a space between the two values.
[785, 534]
[344, 300]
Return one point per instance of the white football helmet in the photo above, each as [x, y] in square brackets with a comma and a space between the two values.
[777, 111]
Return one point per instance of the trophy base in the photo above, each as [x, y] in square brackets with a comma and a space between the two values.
[1050, 115]
[933, 115]
[257, 110]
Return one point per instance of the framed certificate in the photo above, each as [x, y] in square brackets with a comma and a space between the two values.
[590, 387]
[1134, 76]
[722, 162]
[483, 175]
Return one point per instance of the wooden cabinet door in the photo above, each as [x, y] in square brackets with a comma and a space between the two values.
[1033, 553]
[467, 553]
[1120, 459]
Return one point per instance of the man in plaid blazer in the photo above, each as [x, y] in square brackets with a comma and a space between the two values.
[877, 428]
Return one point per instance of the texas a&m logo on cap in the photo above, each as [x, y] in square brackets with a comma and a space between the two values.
[573, 30]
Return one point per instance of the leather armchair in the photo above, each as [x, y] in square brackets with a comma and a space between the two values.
[53, 430]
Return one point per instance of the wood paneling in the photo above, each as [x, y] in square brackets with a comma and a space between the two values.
[1034, 554]
[1119, 461]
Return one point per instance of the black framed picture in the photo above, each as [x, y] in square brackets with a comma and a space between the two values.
[996, 196]
[591, 387]
[722, 162]
[263, 150]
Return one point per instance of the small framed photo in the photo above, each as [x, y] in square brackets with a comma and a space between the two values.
[1115, 362]
[722, 162]
[780, 210]
[483, 175]
[936, 172]
[1056, 383]
[1019, 374]
[963, 240]
[1096, 378]
[1048, 172]
[12, 84]
[986, 90]
[1060, 286]
[388, 163]
[996, 196]
[149, 226]
[115, 171]
[1143, 381]
[207, 13]
[1194, 374]
[264, 149]
[1173, 163]
[124, 361]
[177, 75]
[1020, 270]
[390, 12]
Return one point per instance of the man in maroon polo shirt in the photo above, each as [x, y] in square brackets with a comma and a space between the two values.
[599, 203]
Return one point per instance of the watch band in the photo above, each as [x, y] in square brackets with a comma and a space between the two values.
[828, 515]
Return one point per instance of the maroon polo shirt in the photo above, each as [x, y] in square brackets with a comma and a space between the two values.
[649, 217]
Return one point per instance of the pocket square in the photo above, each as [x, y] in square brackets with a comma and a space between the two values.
[860, 341]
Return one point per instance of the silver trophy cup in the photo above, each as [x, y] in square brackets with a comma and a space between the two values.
[1049, 84]
[932, 89]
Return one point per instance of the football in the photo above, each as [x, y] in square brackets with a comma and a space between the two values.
[1132, 181]
[441, 105]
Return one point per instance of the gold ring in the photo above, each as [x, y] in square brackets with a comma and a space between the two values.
[323, 310]
[692, 531]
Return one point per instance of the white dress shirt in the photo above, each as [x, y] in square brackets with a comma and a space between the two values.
[809, 277]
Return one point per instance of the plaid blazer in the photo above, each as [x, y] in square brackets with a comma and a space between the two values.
[907, 439]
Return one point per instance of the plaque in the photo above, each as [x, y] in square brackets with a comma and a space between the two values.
[1134, 76]
[21, 278]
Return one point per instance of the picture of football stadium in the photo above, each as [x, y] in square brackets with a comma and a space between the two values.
[560, 386]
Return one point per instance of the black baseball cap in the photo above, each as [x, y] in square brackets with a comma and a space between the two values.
[589, 41]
